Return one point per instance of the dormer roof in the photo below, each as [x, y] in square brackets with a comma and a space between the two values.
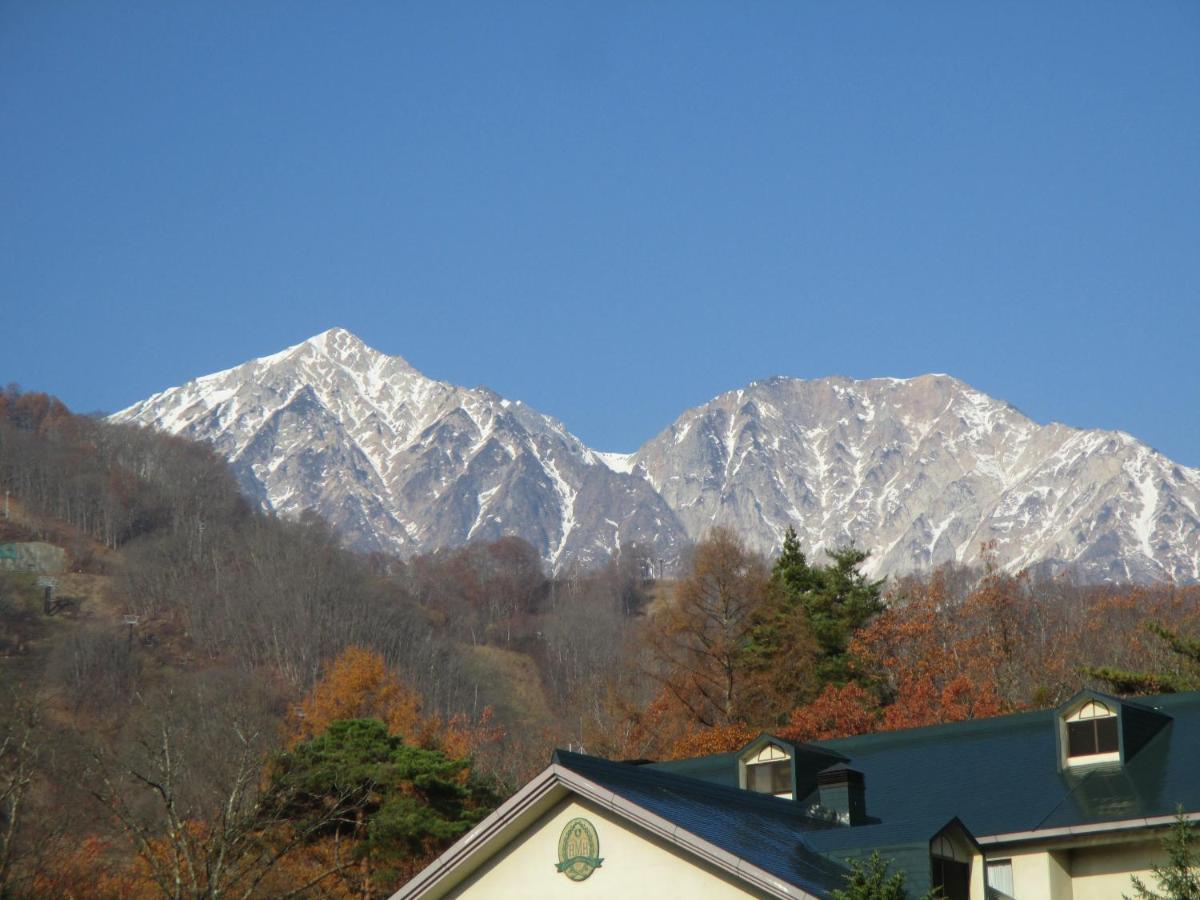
[1137, 723]
[799, 750]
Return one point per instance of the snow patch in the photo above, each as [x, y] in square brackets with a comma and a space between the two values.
[618, 462]
[1143, 525]
[566, 496]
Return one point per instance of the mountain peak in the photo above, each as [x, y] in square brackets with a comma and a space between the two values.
[336, 337]
[348, 349]
[921, 471]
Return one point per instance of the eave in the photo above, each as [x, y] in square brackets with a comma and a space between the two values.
[1084, 831]
[553, 784]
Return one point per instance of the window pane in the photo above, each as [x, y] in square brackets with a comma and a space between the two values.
[954, 878]
[1094, 710]
[770, 778]
[758, 778]
[781, 777]
[1106, 735]
[1000, 876]
[1081, 739]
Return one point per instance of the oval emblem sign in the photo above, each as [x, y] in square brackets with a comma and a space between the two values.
[578, 850]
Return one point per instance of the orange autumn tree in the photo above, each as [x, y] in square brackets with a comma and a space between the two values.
[934, 663]
[358, 684]
[96, 869]
[839, 711]
[697, 644]
[923, 660]
[718, 739]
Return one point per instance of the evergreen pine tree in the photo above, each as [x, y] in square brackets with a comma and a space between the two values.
[1185, 677]
[870, 881]
[843, 602]
[792, 575]
[800, 637]
[832, 600]
[1179, 879]
[396, 799]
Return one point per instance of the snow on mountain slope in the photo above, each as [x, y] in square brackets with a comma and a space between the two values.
[400, 462]
[924, 471]
[919, 471]
[618, 462]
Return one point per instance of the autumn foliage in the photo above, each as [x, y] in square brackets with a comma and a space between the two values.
[717, 739]
[839, 711]
[358, 684]
[94, 869]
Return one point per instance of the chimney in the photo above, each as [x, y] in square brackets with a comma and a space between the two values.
[843, 790]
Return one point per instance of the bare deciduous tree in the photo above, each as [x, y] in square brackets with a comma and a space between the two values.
[199, 821]
[19, 750]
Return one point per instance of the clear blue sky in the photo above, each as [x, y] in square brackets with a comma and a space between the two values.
[612, 211]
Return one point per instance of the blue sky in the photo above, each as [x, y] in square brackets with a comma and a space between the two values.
[612, 211]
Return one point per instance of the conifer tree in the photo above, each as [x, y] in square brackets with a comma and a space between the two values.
[396, 800]
[870, 881]
[1186, 676]
[826, 602]
[1179, 879]
[792, 575]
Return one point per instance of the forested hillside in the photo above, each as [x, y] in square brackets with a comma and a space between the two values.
[210, 700]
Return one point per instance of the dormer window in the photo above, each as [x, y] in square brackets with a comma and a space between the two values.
[770, 777]
[1092, 734]
[767, 769]
[1095, 728]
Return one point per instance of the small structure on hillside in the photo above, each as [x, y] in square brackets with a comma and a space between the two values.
[33, 556]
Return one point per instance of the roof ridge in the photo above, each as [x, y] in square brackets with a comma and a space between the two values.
[646, 775]
[970, 726]
[961, 727]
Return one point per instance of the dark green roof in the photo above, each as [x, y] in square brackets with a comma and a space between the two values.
[994, 776]
[762, 830]
[1002, 775]
[719, 768]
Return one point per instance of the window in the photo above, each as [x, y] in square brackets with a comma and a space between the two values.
[951, 869]
[770, 777]
[952, 878]
[999, 879]
[767, 769]
[1092, 731]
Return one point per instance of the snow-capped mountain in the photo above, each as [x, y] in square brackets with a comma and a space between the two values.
[402, 463]
[919, 471]
[924, 471]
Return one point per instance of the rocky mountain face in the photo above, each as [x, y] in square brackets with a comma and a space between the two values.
[401, 463]
[924, 471]
[920, 471]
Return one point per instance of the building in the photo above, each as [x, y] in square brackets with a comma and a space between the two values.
[1061, 804]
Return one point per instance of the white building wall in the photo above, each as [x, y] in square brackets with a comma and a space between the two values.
[637, 865]
[1098, 872]
[1103, 873]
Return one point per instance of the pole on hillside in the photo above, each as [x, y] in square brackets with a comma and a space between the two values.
[48, 586]
[131, 621]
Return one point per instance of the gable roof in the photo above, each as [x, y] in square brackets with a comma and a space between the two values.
[762, 830]
[750, 836]
[793, 747]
